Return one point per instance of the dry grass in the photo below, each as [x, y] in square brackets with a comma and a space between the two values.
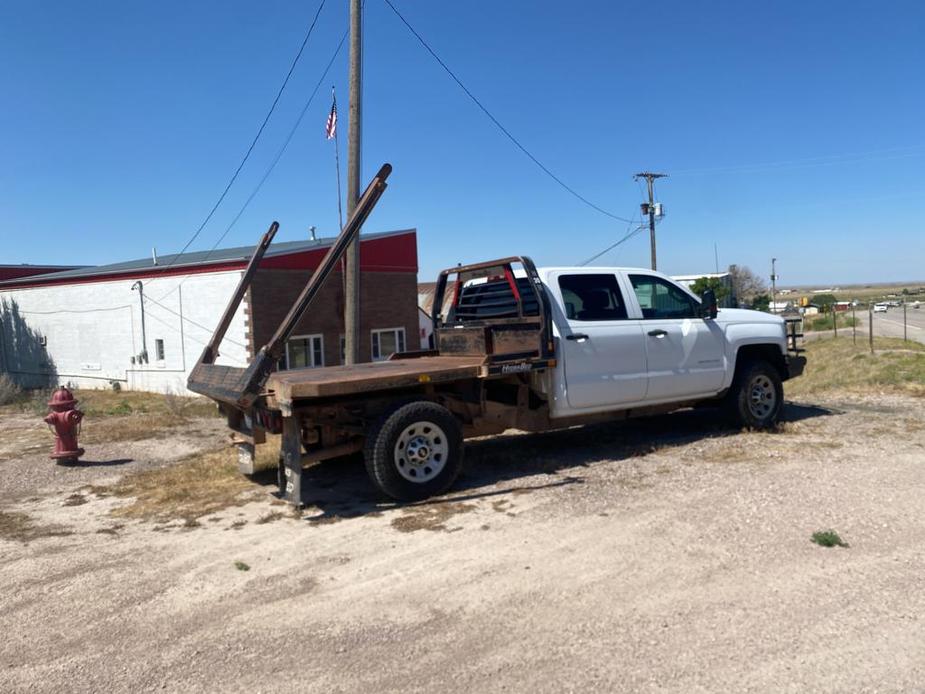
[109, 403]
[187, 490]
[839, 364]
[22, 528]
[433, 516]
[871, 292]
[111, 416]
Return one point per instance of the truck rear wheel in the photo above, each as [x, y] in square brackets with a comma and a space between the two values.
[756, 396]
[415, 451]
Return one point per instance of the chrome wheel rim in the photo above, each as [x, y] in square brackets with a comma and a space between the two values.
[762, 397]
[421, 452]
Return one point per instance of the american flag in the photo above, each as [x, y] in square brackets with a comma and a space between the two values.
[330, 128]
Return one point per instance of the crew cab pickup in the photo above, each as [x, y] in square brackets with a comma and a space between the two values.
[516, 347]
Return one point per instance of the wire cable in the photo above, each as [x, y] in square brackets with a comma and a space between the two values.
[624, 239]
[191, 321]
[275, 161]
[253, 143]
[494, 120]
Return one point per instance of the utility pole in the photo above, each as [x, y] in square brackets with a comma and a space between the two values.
[773, 284]
[352, 264]
[652, 209]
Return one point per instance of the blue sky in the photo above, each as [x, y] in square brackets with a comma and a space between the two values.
[789, 129]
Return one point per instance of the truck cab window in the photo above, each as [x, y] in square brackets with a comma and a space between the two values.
[592, 297]
[660, 299]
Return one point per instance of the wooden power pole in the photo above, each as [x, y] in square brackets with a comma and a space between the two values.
[651, 208]
[352, 261]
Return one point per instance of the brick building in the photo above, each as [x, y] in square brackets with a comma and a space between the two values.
[143, 323]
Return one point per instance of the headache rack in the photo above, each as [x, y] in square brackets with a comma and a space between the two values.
[494, 312]
[794, 328]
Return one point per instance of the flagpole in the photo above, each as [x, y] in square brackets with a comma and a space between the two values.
[340, 210]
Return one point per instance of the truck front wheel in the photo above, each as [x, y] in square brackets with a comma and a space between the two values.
[415, 451]
[757, 396]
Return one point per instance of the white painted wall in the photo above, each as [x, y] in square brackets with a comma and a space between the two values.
[425, 329]
[92, 330]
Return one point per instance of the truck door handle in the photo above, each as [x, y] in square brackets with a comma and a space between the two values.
[579, 337]
[658, 333]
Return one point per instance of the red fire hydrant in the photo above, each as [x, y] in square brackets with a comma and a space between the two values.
[64, 419]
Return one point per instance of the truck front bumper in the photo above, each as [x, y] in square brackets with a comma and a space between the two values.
[795, 365]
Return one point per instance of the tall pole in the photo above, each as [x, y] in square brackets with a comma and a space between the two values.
[650, 182]
[352, 264]
[773, 285]
[144, 342]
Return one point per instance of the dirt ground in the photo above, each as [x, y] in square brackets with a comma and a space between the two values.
[663, 555]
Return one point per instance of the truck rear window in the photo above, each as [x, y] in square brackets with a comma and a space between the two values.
[592, 297]
[493, 298]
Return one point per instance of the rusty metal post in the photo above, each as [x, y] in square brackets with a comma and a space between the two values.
[835, 320]
[854, 325]
[870, 317]
[290, 462]
[905, 329]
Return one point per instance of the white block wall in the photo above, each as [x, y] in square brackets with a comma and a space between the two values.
[92, 330]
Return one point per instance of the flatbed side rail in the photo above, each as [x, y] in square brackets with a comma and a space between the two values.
[241, 387]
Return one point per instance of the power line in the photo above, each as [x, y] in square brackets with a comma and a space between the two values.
[85, 310]
[498, 123]
[273, 164]
[191, 321]
[256, 137]
[626, 237]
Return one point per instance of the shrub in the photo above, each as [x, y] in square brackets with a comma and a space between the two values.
[9, 391]
[828, 538]
[825, 322]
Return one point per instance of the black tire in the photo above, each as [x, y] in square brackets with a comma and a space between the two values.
[414, 451]
[756, 397]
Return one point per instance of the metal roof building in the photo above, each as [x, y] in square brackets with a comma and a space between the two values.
[142, 323]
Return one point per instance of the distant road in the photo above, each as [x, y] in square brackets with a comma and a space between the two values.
[890, 324]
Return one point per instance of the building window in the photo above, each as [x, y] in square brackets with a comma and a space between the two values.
[159, 350]
[387, 342]
[305, 351]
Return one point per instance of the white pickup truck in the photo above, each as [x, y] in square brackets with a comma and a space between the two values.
[516, 347]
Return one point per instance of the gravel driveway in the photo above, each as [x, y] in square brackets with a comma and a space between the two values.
[662, 555]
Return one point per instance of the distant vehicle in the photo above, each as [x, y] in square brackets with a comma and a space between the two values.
[880, 308]
[915, 304]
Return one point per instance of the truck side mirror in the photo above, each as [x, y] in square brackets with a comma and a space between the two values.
[708, 305]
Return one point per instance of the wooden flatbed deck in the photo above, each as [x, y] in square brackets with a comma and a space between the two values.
[296, 384]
